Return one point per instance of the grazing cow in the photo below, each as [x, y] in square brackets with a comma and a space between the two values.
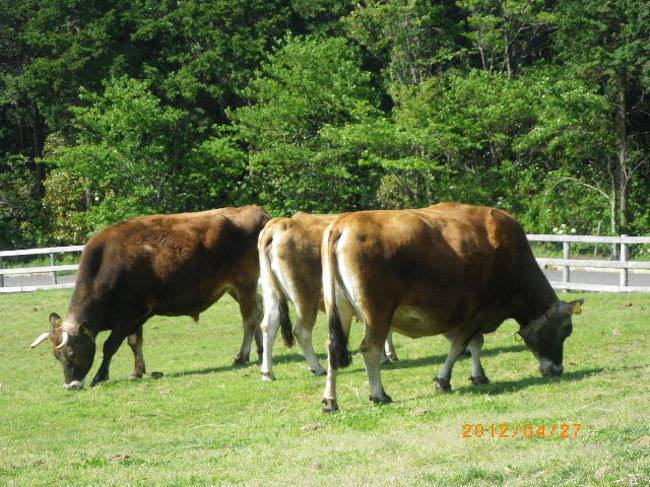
[168, 265]
[290, 270]
[449, 268]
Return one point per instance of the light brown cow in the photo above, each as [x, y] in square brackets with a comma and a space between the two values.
[449, 268]
[290, 270]
[166, 265]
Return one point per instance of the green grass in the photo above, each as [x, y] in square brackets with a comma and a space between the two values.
[207, 423]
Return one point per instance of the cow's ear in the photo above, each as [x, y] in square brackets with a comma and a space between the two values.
[55, 320]
[574, 307]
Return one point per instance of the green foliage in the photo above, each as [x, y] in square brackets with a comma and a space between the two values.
[307, 85]
[133, 153]
[323, 105]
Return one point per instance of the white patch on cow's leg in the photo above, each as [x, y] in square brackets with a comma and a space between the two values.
[329, 394]
[389, 355]
[270, 325]
[478, 374]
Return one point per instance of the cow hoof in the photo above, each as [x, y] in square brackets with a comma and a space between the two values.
[330, 406]
[385, 399]
[480, 380]
[135, 376]
[442, 385]
[96, 381]
[238, 360]
[319, 372]
[267, 377]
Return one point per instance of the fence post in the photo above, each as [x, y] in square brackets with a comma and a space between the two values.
[566, 270]
[623, 277]
[2, 276]
[55, 278]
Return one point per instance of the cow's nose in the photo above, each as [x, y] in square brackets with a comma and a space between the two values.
[75, 384]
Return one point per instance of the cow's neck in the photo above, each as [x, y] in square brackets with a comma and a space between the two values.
[535, 299]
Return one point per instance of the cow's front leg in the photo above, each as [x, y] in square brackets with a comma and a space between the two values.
[135, 342]
[458, 345]
[111, 345]
[250, 306]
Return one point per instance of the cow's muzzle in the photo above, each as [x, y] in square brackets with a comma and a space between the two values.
[548, 368]
[75, 384]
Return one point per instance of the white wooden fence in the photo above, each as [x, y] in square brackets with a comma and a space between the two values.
[53, 269]
[623, 266]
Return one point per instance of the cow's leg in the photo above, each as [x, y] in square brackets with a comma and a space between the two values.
[250, 306]
[478, 374]
[458, 345]
[111, 345]
[330, 403]
[389, 355]
[269, 326]
[303, 333]
[135, 342]
[372, 348]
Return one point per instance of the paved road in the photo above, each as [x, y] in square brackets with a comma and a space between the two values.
[634, 279]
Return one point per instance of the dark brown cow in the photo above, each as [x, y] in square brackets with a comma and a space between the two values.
[449, 268]
[167, 265]
[290, 270]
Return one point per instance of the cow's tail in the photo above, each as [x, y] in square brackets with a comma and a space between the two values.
[269, 279]
[285, 322]
[338, 341]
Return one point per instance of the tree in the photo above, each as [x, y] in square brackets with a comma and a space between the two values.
[307, 85]
[607, 45]
[135, 156]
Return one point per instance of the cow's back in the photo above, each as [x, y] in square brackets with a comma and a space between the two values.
[169, 264]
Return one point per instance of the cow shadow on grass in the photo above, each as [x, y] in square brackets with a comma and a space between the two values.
[438, 360]
[498, 387]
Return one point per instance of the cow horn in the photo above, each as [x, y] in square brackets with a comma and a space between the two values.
[64, 340]
[40, 340]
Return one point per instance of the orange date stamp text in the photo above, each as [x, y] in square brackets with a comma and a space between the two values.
[527, 430]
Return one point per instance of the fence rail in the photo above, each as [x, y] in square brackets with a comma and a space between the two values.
[566, 264]
[53, 269]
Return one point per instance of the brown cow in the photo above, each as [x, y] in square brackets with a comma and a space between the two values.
[449, 268]
[166, 265]
[290, 270]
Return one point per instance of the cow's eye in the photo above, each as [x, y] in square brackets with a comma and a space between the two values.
[69, 353]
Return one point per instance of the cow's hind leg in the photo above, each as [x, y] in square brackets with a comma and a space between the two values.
[389, 355]
[250, 306]
[343, 312]
[303, 333]
[135, 342]
[478, 374]
[372, 348]
[274, 308]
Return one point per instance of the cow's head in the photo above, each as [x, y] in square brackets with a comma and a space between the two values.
[73, 346]
[545, 336]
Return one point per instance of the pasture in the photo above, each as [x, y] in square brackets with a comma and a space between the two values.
[207, 423]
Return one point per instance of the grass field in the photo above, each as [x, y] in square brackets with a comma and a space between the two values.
[207, 423]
